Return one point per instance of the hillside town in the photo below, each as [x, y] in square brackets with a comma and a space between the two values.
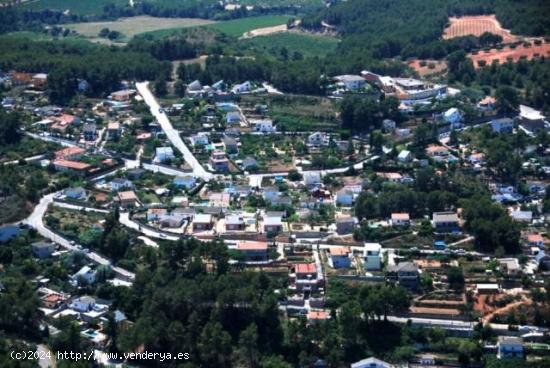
[389, 218]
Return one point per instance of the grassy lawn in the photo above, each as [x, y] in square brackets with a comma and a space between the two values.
[129, 27]
[234, 27]
[81, 7]
[306, 44]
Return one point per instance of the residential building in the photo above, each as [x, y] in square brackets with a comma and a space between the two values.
[76, 193]
[234, 223]
[372, 257]
[351, 82]
[535, 240]
[530, 119]
[242, 88]
[89, 132]
[312, 178]
[400, 219]
[522, 216]
[265, 126]
[70, 153]
[445, 222]
[75, 166]
[253, 250]
[504, 125]
[202, 222]
[163, 154]
[219, 161]
[454, 117]
[510, 347]
[86, 275]
[83, 304]
[187, 181]
[249, 163]
[127, 199]
[346, 225]
[120, 184]
[123, 95]
[43, 249]
[406, 273]
[273, 224]
[113, 130]
[371, 363]
[404, 156]
[172, 221]
[345, 198]
[318, 139]
[339, 257]
[233, 118]
[305, 276]
[154, 214]
[231, 145]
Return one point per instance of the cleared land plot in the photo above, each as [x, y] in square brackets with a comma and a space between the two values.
[306, 44]
[427, 67]
[129, 27]
[510, 54]
[234, 27]
[476, 26]
[81, 7]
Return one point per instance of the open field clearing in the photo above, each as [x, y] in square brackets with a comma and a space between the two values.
[238, 27]
[306, 44]
[81, 7]
[476, 26]
[520, 52]
[427, 67]
[234, 27]
[129, 27]
[266, 31]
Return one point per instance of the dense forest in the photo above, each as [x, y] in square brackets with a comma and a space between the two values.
[67, 62]
[374, 29]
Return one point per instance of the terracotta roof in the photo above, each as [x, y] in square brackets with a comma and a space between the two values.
[400, 216]
[339, 251]
[535, 238]
[71, 164]
[251, 245]
[126, 196]
[305, 268]
[69, 151]
[317, 315]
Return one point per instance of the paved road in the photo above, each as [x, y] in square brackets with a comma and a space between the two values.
[35, 220]
[124, 219]
[61, 141]
[255, 180]
[27, 159]
[171, 133]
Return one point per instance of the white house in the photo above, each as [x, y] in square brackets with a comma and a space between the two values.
[454, 117]
[372, 256]
[371, 362]
[83, 304]
[85, 274]
[404, 156]
[120, 183]
[265, 126]
[318, 139]
[400, 219]
[242, 88]
[163, 154]
[200, 139]
[312, 178]
[351, 82]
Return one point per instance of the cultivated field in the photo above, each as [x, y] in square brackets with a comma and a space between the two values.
[81, 7]
[129, 27]
[507, 53]
[476, 26]
[306, 44]
[427, 67]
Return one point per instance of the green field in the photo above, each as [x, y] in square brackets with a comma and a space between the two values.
[306, 44]
[80, 7]
[234, 27]
[129, 27]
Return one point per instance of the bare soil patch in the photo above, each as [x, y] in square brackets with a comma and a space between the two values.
[476, 25]
[510, 54]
